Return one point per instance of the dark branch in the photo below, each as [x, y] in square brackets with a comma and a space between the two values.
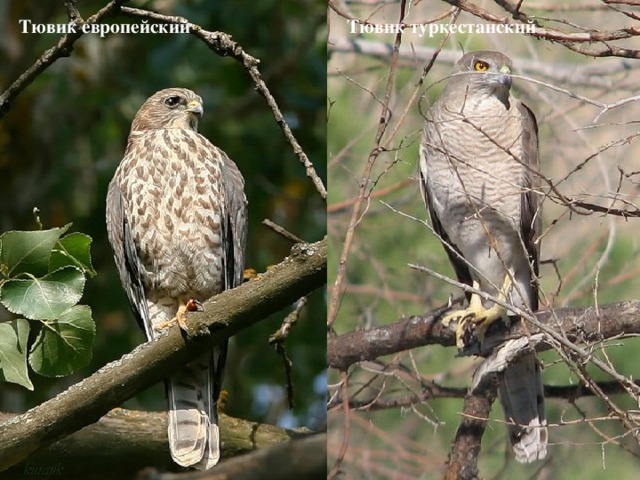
[62, 49]
[303, 458]
[124, 442]
[224, 315]
[579, 324]
[462, 463]
[222, 44]
[433, 390]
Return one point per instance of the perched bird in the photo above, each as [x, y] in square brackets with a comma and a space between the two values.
[478, 177]
[177, 224]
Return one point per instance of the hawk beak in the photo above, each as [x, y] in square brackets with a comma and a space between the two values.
[503, 79]
[194, 106]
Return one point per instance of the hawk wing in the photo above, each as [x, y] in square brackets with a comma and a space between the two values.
[126, 257]
[455, 256]
[234, 241]
[531, 221]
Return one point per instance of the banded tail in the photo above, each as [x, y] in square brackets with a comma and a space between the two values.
[194, 436]
[522, 397]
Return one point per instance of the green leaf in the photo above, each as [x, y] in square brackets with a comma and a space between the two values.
[64, 345]
[28, 252]
[43, 298]
[13, 352]
[75, 250]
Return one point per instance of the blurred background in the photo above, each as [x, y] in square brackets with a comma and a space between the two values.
[66, 133]
[395, 433]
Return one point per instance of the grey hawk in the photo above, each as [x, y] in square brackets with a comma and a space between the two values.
[478, 165]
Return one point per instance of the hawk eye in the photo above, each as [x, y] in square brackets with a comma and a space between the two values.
[172, 102]
[481, 66]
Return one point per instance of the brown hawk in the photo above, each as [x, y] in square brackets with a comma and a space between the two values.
[478, 164]
[177, 223]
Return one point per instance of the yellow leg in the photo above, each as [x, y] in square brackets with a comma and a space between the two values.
[476, 314]
[181, 316]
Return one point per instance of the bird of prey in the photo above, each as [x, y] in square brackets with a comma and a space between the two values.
[478, 177]
[177, 224]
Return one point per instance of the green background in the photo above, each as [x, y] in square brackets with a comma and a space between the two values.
[65, 134]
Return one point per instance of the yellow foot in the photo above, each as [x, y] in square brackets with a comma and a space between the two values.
[475, 319]
[181, 316]
[249, 274]
[222, 401]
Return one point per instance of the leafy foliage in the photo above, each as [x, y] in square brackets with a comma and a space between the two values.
[43, 279]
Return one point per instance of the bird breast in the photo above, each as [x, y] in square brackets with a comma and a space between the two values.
[174, 197]
[471, 155]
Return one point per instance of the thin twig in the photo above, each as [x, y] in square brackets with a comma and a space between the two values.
[282, 231]
[222, 44]
[364, 192]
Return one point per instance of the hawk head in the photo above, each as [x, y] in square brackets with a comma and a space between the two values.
[490, 74]
[170, 108]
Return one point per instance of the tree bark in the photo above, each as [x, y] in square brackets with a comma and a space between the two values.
[124, 442]
[300, 459]
[579, 324]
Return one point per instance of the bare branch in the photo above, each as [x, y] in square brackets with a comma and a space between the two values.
[62, 49]
[363, 192]
[578, 324]
[222, 44]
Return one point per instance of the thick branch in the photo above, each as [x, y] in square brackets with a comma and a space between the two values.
[303, 459]
[579, 324]
[223, 316]
[124, 442]
[462, 463]
[592, 43]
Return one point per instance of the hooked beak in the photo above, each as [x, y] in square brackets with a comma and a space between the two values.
[194, 106]
[503, 79]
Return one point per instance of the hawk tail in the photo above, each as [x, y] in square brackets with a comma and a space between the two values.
[522, 398]
[194, 436]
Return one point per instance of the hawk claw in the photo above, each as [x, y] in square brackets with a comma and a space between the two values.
[181, 316]
[476, 318]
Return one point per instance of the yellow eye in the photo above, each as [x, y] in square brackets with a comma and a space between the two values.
[481, 66]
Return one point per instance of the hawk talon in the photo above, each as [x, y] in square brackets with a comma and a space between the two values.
[181, 317]
[475, 320]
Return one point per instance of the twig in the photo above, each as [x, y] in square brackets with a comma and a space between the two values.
[335, 469]
[363, 192]
[222, 44]
[282, 231]
[279, 339]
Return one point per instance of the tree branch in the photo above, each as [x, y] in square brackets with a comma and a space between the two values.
[222, 44]
[579, 324]
[224, 315]
[301, 458]
[124, 442]
[62, 49]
